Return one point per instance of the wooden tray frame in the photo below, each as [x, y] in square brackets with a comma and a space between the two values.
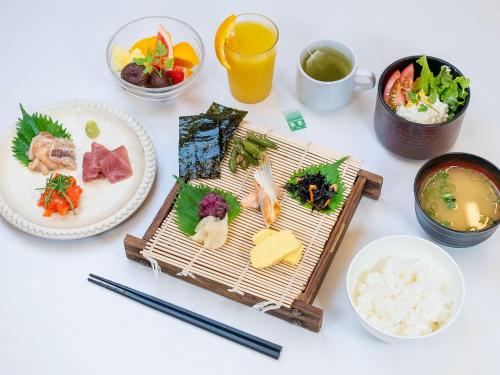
[302, 312]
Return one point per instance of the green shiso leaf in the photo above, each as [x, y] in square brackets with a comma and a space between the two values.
[332, 174]
[186, 205]
[28, 126]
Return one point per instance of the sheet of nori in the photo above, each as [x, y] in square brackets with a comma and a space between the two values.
[229, 120]
[199, 147]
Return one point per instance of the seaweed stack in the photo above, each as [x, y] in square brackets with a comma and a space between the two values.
[204, 139]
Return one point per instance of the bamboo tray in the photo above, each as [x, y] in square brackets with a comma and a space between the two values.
[287, 292]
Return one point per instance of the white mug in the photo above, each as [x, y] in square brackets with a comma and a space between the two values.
[333, 94]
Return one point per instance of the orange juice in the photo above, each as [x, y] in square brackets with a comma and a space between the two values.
[250, 52]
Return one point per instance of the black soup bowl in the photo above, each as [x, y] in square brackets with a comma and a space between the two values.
[439, 232]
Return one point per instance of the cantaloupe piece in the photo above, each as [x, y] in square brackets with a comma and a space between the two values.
[273, 249]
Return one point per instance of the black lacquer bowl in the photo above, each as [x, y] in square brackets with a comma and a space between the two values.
[441, 233]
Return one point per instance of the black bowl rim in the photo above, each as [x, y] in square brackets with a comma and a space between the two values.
[391, 68]
[457, 157]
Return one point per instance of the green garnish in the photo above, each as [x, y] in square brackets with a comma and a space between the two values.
[91, 129]
[483, 219]
[30, 126]
[450, 200]
[332, 175]
[186, 205]
[442, 174]
[60, 183]
[422, 108]
[156, 60]
[412, 96]
[449, 90]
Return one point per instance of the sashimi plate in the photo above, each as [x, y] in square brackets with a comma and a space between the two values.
[103, 205]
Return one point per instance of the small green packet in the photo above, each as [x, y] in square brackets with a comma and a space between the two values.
[295, 120]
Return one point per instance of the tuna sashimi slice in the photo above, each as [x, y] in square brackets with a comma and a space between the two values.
[99, 150]
[116, 165]
[91, 168]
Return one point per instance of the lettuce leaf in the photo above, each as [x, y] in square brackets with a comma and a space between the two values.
[452, 91]
[426, 79]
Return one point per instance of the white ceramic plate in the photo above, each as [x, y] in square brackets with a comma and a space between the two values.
[103, 205]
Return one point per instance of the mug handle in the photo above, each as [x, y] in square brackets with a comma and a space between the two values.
[364, 79]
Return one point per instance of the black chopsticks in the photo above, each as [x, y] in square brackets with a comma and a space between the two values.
[253, 342]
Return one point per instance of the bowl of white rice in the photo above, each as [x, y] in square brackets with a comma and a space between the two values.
[405, 288]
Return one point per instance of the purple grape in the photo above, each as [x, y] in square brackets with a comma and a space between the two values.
[212, 205]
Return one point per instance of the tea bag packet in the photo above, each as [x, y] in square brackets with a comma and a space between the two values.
[295, 120]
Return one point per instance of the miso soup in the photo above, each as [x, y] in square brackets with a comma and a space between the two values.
[460, 198]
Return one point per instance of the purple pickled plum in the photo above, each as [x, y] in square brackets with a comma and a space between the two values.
[212, 205]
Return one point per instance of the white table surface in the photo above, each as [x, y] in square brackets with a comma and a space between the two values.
[52, 321]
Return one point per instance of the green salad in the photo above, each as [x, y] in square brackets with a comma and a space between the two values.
[429, 98]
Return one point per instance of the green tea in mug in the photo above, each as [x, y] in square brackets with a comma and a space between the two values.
[327, 64]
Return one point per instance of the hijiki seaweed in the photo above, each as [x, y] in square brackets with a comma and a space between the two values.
[318, 187]
[313, 189]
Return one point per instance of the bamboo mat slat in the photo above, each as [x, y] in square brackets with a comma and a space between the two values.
[280, 284]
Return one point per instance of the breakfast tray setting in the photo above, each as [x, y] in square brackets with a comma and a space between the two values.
[283, 290]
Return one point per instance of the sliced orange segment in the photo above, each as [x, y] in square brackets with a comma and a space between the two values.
[145, 45]
[185, 55]
[220, 38]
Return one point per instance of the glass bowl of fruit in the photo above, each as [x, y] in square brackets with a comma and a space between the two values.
[155, 58]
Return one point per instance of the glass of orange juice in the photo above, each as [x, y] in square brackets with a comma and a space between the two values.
[246, 47]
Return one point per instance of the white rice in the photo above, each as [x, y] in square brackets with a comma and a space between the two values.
[403, 297]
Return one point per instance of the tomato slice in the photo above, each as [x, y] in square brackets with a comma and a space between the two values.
[406, 78]
[388, 86]
[397, 95]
